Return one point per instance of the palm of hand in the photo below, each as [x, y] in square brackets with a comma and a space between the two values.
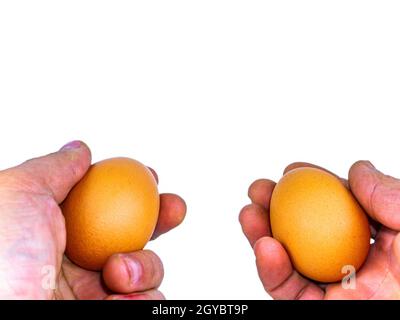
[35, 256]
[378, 278]
[34, 242]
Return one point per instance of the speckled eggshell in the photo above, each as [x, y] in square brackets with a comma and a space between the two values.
[113, 209]
[320, 223]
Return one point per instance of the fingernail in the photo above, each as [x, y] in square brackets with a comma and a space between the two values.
[369, 164]
[71, 145]
[134, 269]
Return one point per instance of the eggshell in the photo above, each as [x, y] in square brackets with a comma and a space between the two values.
[320, 223]
[113, 209]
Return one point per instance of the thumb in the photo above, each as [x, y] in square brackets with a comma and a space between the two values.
[56, 173]
[379, 194]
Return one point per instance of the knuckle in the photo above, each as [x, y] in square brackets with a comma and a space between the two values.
[245, 210]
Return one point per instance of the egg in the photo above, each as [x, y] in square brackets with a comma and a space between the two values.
[319, 222]
[113, 209]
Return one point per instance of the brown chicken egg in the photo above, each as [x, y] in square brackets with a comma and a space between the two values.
[320, 223]
[113, 209]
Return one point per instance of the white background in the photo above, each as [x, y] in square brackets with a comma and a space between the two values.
[213, 94]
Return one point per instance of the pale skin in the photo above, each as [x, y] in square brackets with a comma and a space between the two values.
[378, 278]
[33, 237]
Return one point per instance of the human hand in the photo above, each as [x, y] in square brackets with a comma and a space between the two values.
[33, 237]
[378, 278]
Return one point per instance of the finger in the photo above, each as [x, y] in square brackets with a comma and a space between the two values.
[172, 213]
[133, 272]
[379, 194]
[154, 174]
[75, 277]
[254, 220]
[296, 165]
[147, 295]
[56, 173]
[260, 192]
[279, 278]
